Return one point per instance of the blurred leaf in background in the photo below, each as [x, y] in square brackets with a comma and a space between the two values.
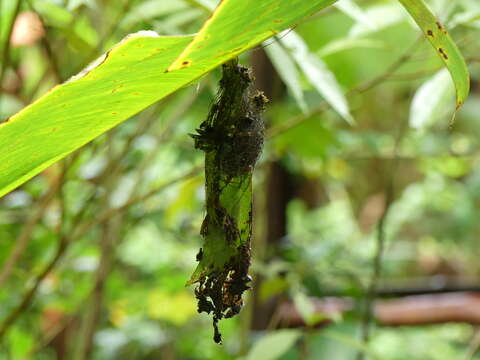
[96, 249]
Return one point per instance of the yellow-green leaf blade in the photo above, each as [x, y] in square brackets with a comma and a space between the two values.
[130, 78]
[443, 44]
[244, 23]
[72, 114]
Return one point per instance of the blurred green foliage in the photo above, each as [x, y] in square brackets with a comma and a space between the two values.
[131, 202]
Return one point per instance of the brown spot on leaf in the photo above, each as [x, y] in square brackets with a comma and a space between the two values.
[441, 27]
[278, 21]
[443, 53]
[114, 90]
[430, 33]
[114, 113]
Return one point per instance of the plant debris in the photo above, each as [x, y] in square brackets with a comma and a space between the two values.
[232, 138]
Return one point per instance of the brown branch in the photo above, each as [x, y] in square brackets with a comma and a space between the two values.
[27, 231]
[416, 310]
[429, 309]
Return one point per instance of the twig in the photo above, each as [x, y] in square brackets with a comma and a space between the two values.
[372, 289]
[391, 69]
[423, 73]
[62, 246]
[106, 259]
[110, 31]
[106, 216]
[29, 295]
[102, 219]
[368, 85]
[109, 233]
[85, 227]
[26, 234]
[114, 165]
[161, 138]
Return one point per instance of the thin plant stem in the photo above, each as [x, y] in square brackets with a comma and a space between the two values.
[372, 289]
[30, 294]
[367, 320]
[107, 247]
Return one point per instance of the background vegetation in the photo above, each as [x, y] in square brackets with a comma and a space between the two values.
[365, 189]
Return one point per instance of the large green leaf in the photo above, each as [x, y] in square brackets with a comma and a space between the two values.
[131, 77]
[438, 36]
[238, 25]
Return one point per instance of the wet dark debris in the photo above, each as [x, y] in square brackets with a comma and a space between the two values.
[232, 137]
[220, 293]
